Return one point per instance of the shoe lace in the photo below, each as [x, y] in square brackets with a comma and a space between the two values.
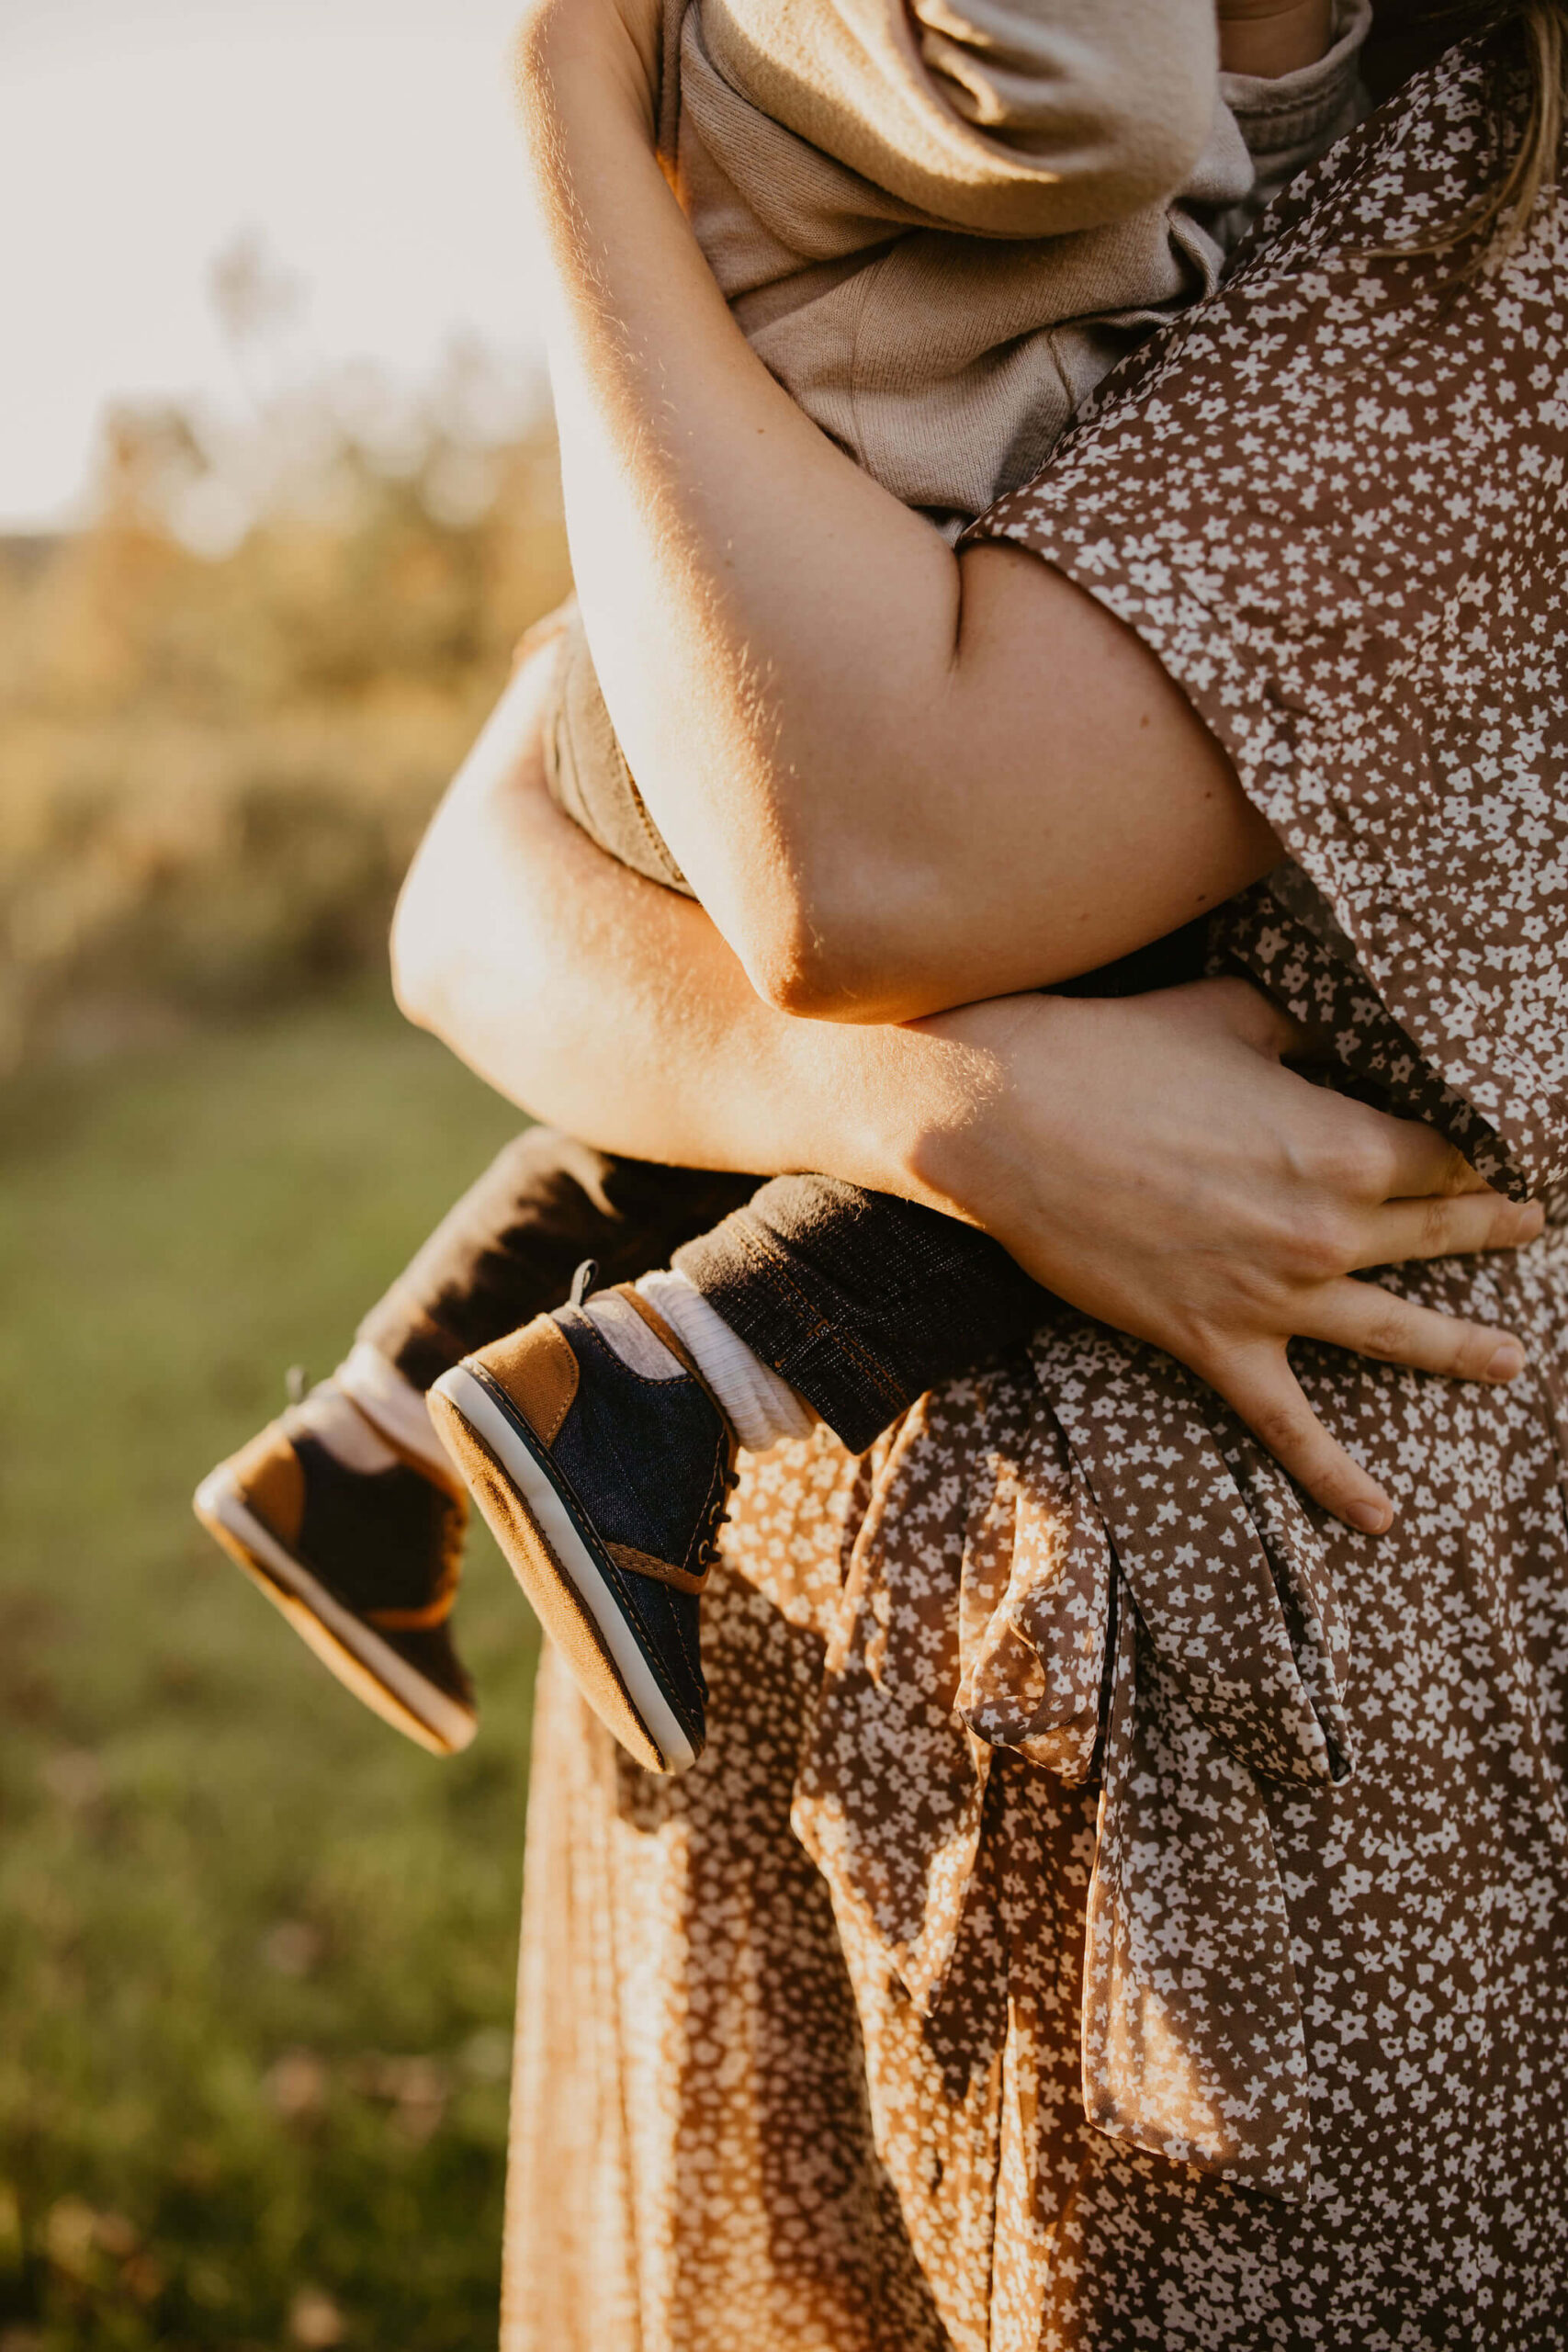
[707, 1550]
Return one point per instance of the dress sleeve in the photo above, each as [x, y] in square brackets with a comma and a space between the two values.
[1331, 500]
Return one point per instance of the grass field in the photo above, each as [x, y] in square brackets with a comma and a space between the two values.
[255, 1951]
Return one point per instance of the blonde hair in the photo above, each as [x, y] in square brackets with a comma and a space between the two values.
[1506, 210]
[1500, 219]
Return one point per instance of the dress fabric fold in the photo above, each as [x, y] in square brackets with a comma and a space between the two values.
[1137, 1590]
[1118, 1905]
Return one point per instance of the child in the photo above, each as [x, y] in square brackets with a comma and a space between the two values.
[939, 229]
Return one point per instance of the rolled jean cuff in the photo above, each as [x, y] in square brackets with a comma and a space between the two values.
[421, 1349]
[860, 1301]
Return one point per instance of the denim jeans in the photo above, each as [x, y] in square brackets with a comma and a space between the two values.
[861, 1301]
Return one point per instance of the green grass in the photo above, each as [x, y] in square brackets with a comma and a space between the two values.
[256, 1952]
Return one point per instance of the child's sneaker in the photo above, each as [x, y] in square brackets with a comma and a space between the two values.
[364, 1564]
[604, 1484]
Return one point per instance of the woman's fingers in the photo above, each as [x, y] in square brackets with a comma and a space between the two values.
[1258, 1384]
[1410, 1159]
[1444, 1225]
[1372, 1322]
[1243, 1010]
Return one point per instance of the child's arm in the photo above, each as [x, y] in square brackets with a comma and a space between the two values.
[1273, 37]
[1012, 118]
[1291, 78]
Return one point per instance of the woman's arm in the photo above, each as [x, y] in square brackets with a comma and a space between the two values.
[899, 779]
[1149, 1159]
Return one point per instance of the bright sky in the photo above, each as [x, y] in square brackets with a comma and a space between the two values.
[368, 144]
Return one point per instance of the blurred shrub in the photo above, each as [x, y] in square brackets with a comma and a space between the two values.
[228, 705]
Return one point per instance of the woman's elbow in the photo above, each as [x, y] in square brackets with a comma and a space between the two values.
[801, 977]
[817, 952]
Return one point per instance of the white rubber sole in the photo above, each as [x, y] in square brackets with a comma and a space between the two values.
[354, 1651]
[468, 1397]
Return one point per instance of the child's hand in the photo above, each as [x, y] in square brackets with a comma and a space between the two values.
[1273, 37]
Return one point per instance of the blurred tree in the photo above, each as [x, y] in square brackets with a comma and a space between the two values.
[228, 703]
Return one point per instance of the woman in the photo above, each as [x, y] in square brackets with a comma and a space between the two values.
[863, 2122]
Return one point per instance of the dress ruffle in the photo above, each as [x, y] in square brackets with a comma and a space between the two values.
[1138, 1595]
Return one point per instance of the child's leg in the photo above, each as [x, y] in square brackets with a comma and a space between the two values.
[346, 1511]
[860, 1301]
[600, 1440]
[508, 1249]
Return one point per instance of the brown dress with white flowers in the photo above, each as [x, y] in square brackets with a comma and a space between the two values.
[1118, 1907]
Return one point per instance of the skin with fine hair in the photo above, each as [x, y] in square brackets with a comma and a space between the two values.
[888, 812]
[1151, 1159]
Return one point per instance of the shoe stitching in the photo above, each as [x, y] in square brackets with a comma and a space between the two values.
[623, 1591]
[644, 1564]
[631, 1371]
[628, 1601]
[631, 1470]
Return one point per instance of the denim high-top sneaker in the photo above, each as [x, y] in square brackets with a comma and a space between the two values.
[364, 1564]
[604, 1488]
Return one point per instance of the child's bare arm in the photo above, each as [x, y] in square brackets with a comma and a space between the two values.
[1273, 37]
[1014, 117]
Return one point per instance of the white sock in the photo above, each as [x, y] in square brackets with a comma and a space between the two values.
[337, 1423]
[393, 1405]
[623, 1329]
[762, 1409]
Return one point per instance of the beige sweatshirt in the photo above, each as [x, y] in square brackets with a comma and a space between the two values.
[939, 228]
[940, 224]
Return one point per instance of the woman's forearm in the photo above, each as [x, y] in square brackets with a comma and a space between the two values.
[613, 1007]
[1149, 1159]
[898, 779]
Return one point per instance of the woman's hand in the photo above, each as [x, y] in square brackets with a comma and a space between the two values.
[1152, 1161]
[1148, 1159]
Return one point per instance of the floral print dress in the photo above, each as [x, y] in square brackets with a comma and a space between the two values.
[1119, 1907]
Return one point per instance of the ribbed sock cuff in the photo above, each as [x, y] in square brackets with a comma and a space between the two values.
[392, 1404]
[762, 1409]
